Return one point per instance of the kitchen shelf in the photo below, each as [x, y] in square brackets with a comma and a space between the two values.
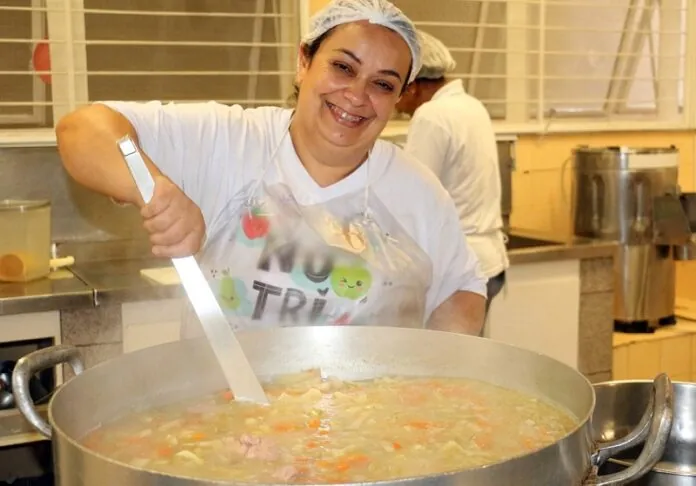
[15, 430]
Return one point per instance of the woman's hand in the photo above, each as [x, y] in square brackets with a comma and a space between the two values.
[175, 223]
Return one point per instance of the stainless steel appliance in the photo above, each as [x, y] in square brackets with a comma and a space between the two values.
[620, 405]
[136, 380]
[631, 195]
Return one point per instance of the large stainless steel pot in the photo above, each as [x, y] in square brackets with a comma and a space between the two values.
[619, 409]
[179, 370]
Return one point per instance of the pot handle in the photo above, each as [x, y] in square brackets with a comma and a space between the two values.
[31, 364]
[654, 427]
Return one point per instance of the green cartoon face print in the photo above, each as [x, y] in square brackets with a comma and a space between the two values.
[351, 282]
[232, 294]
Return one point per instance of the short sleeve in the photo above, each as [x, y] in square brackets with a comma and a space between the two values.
[455, 267]
[196, 145]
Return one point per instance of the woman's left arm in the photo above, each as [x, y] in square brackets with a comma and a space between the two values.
[458, 293]
[463, 312]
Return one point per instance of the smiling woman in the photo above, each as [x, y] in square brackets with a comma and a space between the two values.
[307, 218]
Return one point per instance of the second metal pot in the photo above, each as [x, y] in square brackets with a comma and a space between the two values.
[620, 407]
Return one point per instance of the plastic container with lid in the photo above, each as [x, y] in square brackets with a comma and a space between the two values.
[25, 240]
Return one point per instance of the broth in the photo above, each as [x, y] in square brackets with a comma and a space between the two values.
[331, 431]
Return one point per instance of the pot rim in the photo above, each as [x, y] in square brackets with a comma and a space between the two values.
[23, 205]
[582, 422]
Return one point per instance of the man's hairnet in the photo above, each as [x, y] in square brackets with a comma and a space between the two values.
[437, 60]
[380, 12]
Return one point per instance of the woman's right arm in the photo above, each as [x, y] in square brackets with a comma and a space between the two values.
[188, 148]
[87, 144]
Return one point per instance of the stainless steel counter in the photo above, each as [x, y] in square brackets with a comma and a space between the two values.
[115, 281]
[538, 247]
[86, 285]
[61, 291]
[98, 282]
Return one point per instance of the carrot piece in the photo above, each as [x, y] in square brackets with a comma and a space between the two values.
[228, 395]
[420, 424]
[284, 427]
[314, 423]
[396, 445]
[198, 436]
[165, 451]
[312, 444]
[353, 460]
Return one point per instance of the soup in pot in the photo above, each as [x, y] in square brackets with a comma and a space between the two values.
[331, 431]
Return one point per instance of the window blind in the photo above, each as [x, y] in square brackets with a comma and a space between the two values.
[545, 61]
[231, 51]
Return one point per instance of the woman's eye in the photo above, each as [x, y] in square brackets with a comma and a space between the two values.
[385, 86]
[342, 67]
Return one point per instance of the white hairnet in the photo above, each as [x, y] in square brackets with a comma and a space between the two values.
[380, 12]
[437, 59]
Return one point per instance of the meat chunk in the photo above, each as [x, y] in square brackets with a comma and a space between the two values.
[253, 447]
[286, 473]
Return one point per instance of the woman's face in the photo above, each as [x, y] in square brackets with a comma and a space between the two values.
[348, 91]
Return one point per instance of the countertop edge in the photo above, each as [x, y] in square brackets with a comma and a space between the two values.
[562, 252]
[98, 287]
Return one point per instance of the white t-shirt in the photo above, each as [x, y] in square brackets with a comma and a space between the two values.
[214, 152]
[453, 135]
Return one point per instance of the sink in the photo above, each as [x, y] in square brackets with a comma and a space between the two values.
[518, 242]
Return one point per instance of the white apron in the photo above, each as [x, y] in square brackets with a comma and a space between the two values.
[274, 262]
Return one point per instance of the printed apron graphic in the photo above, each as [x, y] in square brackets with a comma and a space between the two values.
[274, 262]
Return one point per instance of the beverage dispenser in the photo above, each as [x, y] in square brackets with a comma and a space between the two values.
[631, 196]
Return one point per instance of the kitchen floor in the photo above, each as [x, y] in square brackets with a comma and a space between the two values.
[671, 350]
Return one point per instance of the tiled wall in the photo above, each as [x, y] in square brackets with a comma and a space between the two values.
[78, 214]
[596, 321]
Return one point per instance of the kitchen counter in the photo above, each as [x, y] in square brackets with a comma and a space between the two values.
[86, 285]
[91, 283]
[538, 246]
[115, 281]
[61, 290]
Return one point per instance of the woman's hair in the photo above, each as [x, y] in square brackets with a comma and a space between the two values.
[308, 52]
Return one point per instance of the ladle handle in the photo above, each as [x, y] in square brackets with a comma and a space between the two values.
[655, 427]
[141, 175]
[31, 364]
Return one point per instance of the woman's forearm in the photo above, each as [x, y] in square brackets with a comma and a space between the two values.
[87, 145]
[464, 313]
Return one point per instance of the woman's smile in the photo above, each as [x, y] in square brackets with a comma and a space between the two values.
[345, 118]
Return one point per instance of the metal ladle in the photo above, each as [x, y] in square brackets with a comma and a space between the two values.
[240, 376]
